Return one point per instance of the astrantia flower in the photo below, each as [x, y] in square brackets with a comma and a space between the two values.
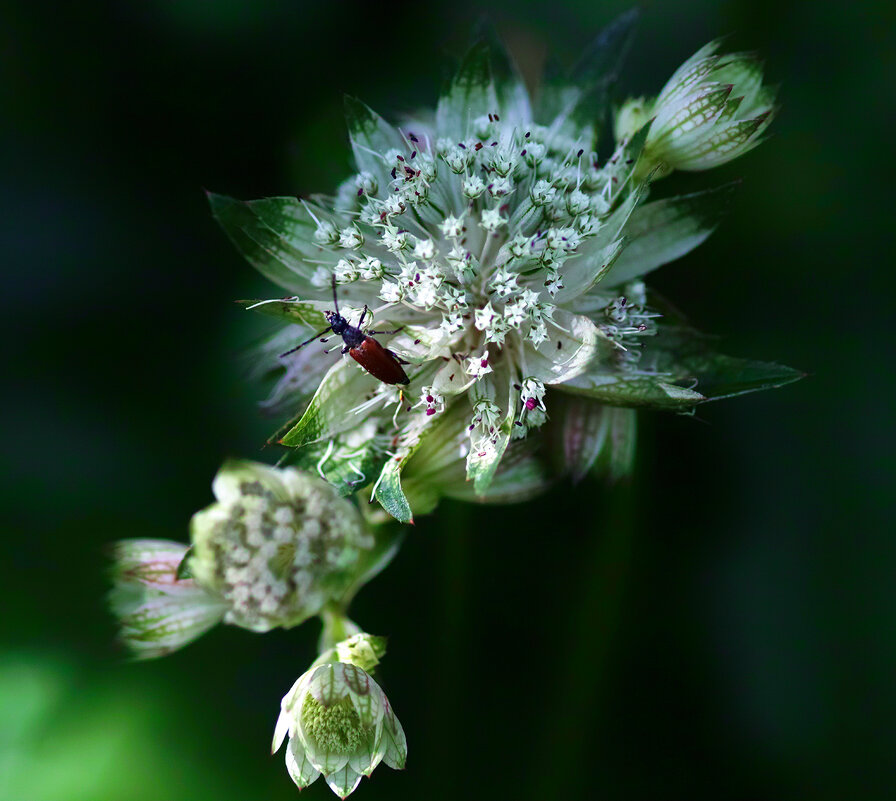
[508, 253]
[340, 725]
[158, 611]
[276, 546]
[712, 110]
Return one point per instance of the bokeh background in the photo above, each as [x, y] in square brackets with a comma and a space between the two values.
[723, 626]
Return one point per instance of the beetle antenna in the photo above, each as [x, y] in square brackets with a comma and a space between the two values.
[335, 300]
[307, 341]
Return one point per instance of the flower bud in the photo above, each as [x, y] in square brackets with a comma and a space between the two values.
[276, 546]
[340, 725]
[631, 117]
[158, 611]
[712, 110]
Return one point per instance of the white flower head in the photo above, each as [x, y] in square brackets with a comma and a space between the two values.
[276, 545]
[491, 238]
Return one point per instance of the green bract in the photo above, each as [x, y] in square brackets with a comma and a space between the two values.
[713, 109]
[277, 545]
[510, 254]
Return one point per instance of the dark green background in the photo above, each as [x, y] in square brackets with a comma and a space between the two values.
[722, 627]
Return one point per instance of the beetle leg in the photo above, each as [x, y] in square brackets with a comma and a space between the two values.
[346, 349]
[363, 315]
[293, 350]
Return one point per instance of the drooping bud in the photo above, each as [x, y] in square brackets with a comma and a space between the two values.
[339, 721]
[158, 611]
[276, 546]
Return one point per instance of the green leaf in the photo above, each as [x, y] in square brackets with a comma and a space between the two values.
[678, 370]
[576, 102]
[601, 62]
[388, 492]
[329, 412]
[343, 461]
[371, 138]
[686, 353]
[275, 235]
[632, 390]
[390, 496]
[665, 230]
[513, 97]
[470, 95]
[309, 313]
[183, 569]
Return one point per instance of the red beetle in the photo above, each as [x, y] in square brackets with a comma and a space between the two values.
[380, 362]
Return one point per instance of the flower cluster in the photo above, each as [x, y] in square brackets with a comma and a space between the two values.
[276, 546]
[273, 550]
[504, 255]
[482, 274]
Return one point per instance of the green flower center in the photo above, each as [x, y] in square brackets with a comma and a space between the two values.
[336, 728]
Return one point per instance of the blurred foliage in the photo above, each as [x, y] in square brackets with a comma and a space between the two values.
[723, 627]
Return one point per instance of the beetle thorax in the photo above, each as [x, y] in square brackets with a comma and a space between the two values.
[337, 322]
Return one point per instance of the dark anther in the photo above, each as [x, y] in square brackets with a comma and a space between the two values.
[478, 146]
[579, 154]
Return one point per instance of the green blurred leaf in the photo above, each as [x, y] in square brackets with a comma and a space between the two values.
[617, 458]
[665, 230]
[276, 236]
[579, 102]
[371, 138]
[471, 94]
[183, 569]
[687, 354]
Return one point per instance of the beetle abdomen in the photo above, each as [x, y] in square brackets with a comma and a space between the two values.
[379, 362]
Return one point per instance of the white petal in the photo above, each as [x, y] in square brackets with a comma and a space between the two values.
[280, 731]
[365, 694]
[327, 685]
[299, 766]
[344, 781]
[394, 740]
